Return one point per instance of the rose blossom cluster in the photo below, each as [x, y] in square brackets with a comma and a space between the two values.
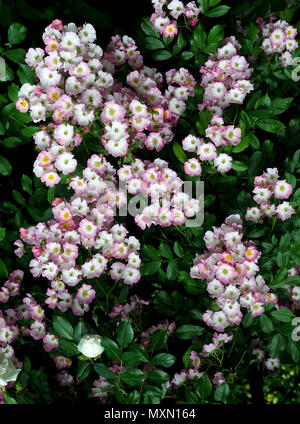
[123, 311]
[269, 190]
[230, 266]
[166, 13]
[85, 222]
[279, 37]
[258, 351]
[162, 325]
[293, 291]
[220, 135]
[76, 89]
[225, 77]
[193, 373]
[188, 374]
[218, 340]
[14, 321]
[9, 331]
[155, 180]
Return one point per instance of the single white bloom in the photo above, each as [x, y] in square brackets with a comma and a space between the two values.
[8, 372]
[90, 345]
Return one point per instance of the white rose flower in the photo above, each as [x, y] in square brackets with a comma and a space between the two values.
[90, 345]
[8, 372]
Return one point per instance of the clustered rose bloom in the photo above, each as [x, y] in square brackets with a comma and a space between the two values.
[279, 37]
[220, 135]
[269, 190]
[225, 77]
[85, 222]
[157, 182]
[166, 22]
[77, 93]
[123, 311]
[230, 269]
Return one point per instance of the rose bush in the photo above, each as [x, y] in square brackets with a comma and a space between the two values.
[150, 241]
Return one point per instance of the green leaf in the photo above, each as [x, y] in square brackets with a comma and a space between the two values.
[134, 377]
[25, 74]
[162, 55]
[216, 34]
[12, 92]
[152, 395]
[2, 233]
[150, 252]
[8, 399]
[11, 142]
[190, 396]
[222, 392]
[189, 331]
[148, 28]
[239, 166]
[18, 197]
[178, 249]
[283, 314]
[16, 33]
[180, 44]
[51, 194]
[158, 339]
[150, 268]
[2, 129]
[247, 320]
[266, 324]
[199, 37]
[254, 141]
[256, 233]
[68, 347]
[131, 359]
[152, 43]
[79, 331]
[179, 152]
[279, 106]
[277, 345]
[172, 270]
[165, 251]
[63, 328]
[3, 269]
[26, 184]
[270, 125]
[293, 281]
[213, 3]
[84, 370]
[252, 31]
[203, 4]
[104, 372]
[111, 349]
[124, 333]
[134, 398]
[29, 131]
[158, 376]
[187, 55]
[5, 166]
[242, 145]
[16, 55]
[204, 386]
[217, 11]
[163, 360]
